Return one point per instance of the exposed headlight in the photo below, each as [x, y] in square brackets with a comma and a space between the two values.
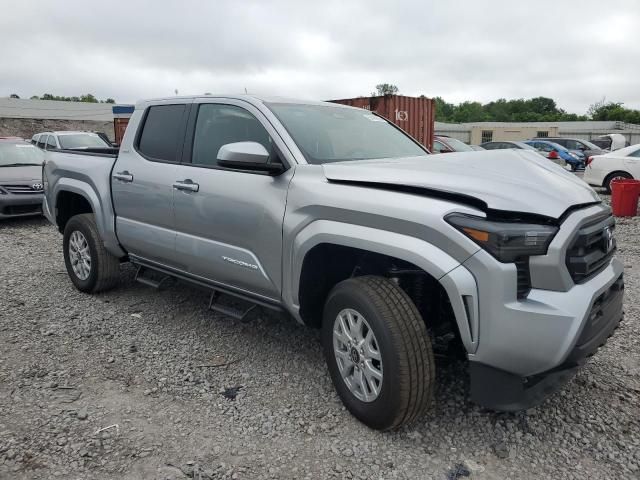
[506, 241]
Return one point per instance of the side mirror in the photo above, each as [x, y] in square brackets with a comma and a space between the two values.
[250, 156]
[445, 150]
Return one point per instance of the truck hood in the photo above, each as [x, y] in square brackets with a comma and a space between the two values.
[26, 173]
[506, 180]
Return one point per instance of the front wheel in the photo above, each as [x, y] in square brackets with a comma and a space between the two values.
[90, 266]
[378, 352]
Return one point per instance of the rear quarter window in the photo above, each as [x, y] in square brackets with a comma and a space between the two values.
[162, 132]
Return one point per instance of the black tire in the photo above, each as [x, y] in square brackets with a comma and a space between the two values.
[105, 268]
[405, 348]
[611, 176]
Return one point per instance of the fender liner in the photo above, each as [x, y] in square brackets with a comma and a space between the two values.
[103, 211]
[460, 286]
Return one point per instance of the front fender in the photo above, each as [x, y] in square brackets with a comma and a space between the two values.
[424, 255]
[102, 210]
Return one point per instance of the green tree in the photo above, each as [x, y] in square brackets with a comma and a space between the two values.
[87, 98]
[469, 112]
[613, 111]
[538, 109]
[385, 89]
[444, 110]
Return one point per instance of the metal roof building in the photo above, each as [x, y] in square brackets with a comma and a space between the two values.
[23, 118]
[55, 110]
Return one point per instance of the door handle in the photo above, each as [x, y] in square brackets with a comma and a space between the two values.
[186, 185]
[123, 176]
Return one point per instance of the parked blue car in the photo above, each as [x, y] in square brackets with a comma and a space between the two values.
[554, 151]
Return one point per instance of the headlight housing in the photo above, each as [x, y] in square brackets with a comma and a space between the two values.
[506, 241]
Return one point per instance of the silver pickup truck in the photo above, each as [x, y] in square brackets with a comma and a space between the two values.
[337, 217]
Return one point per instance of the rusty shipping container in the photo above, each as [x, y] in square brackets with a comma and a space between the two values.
[119, 127]
[414, 115]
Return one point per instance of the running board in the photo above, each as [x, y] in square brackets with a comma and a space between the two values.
[228, 310]
[218, 289]
[148, 280]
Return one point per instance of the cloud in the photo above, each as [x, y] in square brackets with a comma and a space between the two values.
[573, 51]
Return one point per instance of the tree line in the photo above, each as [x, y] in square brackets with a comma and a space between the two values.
[538, 109]
[88, 98]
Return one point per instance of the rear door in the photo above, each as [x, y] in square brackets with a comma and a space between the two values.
[142, 179]
[229, 223]
[42, 141]
[632, 163]
[51, 143]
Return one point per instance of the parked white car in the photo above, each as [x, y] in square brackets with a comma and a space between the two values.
[601, 170]
[69, 140]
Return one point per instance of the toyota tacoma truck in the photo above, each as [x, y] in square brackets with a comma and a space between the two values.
[337, 217]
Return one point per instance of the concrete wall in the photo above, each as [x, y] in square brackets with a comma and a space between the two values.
[27, 127]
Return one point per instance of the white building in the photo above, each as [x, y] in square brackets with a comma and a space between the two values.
[479, 132]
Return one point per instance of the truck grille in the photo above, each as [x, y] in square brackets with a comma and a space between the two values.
[591, 249]
[23, 189]
[524, 278]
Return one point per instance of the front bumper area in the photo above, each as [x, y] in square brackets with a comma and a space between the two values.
[500, 390]
[20, 205]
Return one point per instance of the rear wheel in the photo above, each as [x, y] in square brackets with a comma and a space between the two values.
[615, 176]
[378, 352]
[90, 266]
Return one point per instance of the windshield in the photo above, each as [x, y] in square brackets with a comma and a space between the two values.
[82, 140]
[457, 145]
[335, 134]
[16, 154]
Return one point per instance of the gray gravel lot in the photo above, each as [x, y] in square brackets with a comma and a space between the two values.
[124, 385]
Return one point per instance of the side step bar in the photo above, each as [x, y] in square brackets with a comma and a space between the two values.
[148, 273]
[148, 279]
[228, 310]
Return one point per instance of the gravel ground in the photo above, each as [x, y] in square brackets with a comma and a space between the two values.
[124, 385]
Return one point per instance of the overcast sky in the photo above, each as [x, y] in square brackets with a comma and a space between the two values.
[573, 51]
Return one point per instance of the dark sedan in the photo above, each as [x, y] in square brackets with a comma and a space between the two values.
[21, 186]
[504, 145]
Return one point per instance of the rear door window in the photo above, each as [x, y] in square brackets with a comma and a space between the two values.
[162, 133]
[42, 141]
[51, 143]
[545, 147]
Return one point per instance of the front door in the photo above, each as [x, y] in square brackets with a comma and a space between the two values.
[229, 223]
[142, 181]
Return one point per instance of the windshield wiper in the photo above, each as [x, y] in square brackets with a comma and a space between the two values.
[21, 165]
